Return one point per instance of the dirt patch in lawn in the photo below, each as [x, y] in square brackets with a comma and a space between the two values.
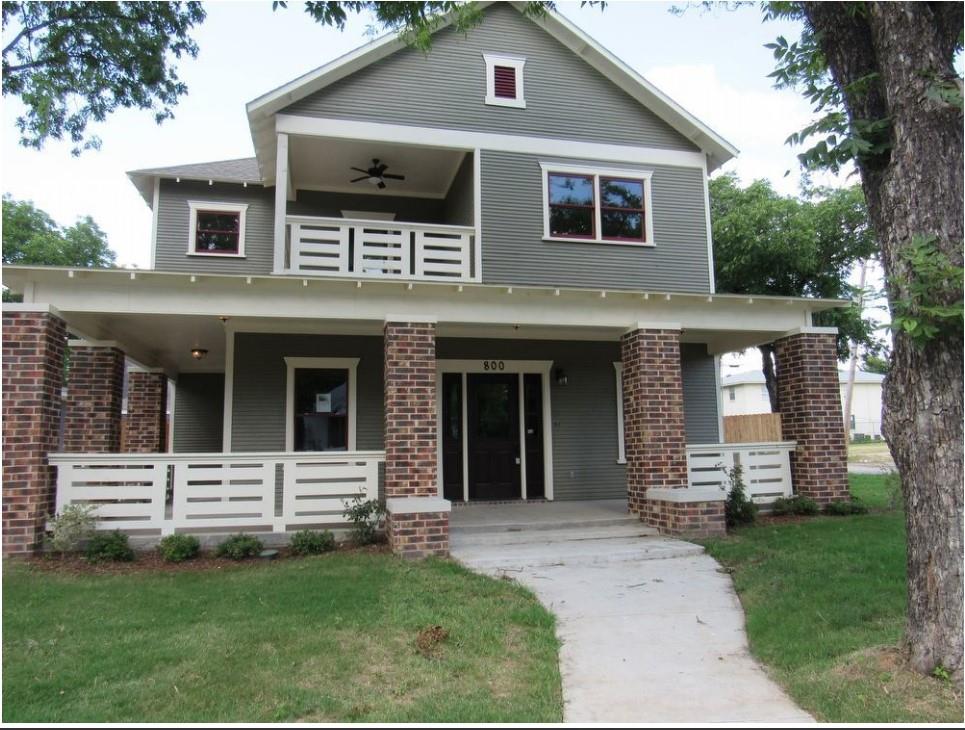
[885, 667]
[150, 561]
[430, 639]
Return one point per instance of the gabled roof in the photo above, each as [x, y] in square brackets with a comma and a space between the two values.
[244, 170]
[261, 110]
[756, 377]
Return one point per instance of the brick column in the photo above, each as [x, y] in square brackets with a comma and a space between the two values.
[809, 396]
[33, 375]
[146, 427]
[418, 518]
[95, 389]
[656, 440]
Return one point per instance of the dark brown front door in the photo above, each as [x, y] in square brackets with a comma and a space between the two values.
[493, 431]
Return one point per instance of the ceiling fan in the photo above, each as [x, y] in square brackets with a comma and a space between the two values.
[376, 174]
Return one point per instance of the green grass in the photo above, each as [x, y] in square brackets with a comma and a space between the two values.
[324, 639]
[825, 605]
[872, 452]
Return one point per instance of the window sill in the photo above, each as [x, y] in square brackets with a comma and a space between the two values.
[641, 244]
[499, 101]
[217, 255]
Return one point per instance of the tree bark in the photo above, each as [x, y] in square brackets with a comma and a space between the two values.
[916, 188]
[770, 379]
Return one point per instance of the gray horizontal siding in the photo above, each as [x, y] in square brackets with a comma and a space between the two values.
[699, 372]
[566, 98]
[514, 252]
[174, 221]
[259, 386]
[199, 413]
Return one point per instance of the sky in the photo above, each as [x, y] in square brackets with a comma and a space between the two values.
[713, 63]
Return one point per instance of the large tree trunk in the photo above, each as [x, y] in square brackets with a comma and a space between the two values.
[770, 378]
[915, 188]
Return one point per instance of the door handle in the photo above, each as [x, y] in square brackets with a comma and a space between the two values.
[518, 461]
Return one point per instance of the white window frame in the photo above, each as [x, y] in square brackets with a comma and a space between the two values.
[321, 363]
[215, 207]
[621, 439]
[596, 173]
[516, 63]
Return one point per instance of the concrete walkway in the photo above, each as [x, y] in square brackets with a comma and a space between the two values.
[651, 629]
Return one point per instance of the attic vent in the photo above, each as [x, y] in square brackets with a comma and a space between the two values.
[504, 80]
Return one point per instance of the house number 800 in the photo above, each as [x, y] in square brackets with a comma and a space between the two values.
[494, 365]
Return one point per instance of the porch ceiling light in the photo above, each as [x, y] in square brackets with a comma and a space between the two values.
[199, 353]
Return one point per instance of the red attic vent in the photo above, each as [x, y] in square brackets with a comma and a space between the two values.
[504, 82]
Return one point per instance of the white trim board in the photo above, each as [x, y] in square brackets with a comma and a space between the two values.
[517, 63]
[543, 368]
[350, 364]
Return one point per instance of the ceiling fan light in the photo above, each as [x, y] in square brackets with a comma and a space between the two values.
[199, 353]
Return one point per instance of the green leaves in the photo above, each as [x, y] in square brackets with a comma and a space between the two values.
[31, 237]
[927, 303]
[73, 63]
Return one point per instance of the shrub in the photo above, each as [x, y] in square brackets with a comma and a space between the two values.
[178, 548]
[70, 527]
[309, 542]
[240, 547]
[365, 516]
[796, 505]
[845, 507]
[738, 509]
[861, 438]
[109, 546]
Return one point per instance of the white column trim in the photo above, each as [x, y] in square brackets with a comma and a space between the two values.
[281, 202]
[154, 220]
[621, 433]
[229, 379]
[520, 397]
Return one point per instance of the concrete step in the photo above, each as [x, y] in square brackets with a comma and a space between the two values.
[523, 525]
[583, 534]
[537, 554]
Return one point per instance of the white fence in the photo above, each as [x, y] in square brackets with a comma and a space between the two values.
[766, 467]
[379, 249]
[216, 492]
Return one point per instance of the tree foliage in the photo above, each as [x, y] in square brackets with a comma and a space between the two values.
[31, 237]
[73, 63]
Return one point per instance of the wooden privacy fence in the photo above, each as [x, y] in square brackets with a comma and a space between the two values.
[166, 493]
[753, 428]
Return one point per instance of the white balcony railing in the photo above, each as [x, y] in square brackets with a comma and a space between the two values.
[217, 492]
[766, 467]
[379, 249]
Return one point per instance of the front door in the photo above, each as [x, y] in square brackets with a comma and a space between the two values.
[493, 436]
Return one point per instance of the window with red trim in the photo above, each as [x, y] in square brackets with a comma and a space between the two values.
[572, 205]
[622, 213]
[504, 82]
[217, 232]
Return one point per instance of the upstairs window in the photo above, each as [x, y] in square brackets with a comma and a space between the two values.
[504, 80]
[216, 229]
[597, 206]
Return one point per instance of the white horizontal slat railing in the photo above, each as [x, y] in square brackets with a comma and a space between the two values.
[766, 467]
[379, 249]
[167, 493]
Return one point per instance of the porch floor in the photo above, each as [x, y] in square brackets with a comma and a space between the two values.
[513, 517]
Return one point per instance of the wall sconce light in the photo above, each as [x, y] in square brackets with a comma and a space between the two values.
[199, 353]
[561, 379]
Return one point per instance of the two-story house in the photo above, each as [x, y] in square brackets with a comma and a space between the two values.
[479, 273]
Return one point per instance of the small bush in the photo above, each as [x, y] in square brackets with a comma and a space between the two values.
[178, 548]
[845, 507]
[861, 438]
[71, 527]
[109, 546]
[738, 509]
[365, 516]
[796, 505]
[240, 547]
[309, 542]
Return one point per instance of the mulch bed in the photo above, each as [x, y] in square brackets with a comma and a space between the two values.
[149, 561]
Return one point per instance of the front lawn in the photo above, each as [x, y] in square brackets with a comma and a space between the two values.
[326, 639]
[870, 452]
[825, 606]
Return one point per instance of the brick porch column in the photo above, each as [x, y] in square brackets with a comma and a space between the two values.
[655, 437]
[809, 395]
[418, 518]
[147, 398]
[33, 374]
[95, 390]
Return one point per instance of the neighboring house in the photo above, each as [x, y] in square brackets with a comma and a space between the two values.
[745, 393]
[488, 267]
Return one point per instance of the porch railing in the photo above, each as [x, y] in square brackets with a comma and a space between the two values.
[766, 467]
[379, 249]
[216, 492]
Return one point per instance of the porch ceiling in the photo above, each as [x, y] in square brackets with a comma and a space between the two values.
[320, 163]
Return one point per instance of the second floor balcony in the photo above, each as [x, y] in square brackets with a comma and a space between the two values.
[364, 209]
